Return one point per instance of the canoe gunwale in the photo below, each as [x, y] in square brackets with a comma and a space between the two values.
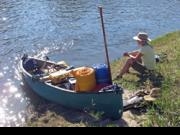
[108, 89]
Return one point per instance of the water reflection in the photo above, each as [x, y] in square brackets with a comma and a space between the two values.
[11, 113]
[2, 116]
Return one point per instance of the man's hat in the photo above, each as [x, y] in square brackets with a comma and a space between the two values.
[154, 94]
[142, 36]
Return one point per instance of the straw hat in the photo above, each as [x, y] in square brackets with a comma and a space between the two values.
[141, 36]
[154, 94]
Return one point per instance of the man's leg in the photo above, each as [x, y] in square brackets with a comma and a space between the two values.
[126, 67]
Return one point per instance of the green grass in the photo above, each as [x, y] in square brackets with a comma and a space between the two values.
[166, 110]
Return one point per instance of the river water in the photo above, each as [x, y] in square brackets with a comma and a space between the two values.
[70, 30]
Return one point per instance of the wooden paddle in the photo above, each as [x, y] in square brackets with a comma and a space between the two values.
[105, 43]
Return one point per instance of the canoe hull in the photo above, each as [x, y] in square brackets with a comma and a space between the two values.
[107, 102]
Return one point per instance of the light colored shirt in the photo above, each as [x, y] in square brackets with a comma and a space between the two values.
[148, 57]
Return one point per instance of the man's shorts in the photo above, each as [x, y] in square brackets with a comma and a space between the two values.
[139, 67]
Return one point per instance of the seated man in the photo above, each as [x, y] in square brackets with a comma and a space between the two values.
[141, 60]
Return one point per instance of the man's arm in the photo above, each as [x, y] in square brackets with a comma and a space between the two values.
[135, 55]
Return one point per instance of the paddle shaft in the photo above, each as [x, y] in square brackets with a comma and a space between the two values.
[105, 43]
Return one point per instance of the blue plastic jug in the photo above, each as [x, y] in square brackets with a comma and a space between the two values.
[101, 73]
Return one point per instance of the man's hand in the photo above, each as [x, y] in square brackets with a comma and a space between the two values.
[129, 55]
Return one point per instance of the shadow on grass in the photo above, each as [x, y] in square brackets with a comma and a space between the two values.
[155, 79]
[38, 107]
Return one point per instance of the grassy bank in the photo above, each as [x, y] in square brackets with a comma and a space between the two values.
[166, 110]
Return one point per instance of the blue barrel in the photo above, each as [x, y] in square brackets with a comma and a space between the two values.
[101, 73]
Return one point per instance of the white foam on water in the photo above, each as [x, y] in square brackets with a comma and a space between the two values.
[1, 75]
[4, 18]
